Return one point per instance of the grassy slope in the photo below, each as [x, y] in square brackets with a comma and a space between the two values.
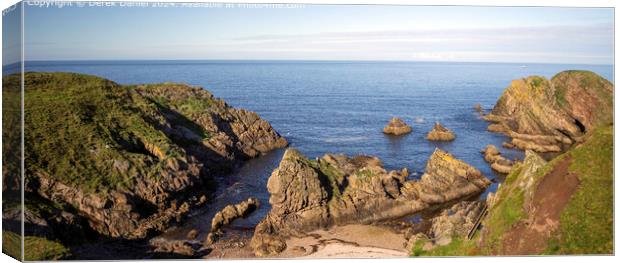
[586, 224]
[78, 127]
[37, 248]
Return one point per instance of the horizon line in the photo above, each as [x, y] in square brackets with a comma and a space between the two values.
[307, 60]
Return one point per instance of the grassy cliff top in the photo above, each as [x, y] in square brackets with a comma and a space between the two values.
[95, 134]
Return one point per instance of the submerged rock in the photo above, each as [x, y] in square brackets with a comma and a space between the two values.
[478, 108]
[440, 133]
[335, 190]
[397, 126]
[549, 115]
[496, 160]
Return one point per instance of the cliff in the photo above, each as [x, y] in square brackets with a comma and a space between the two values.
[550, 115]
[130, 160]
[563, 206]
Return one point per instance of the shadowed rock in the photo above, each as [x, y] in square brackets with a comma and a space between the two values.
[227, 215]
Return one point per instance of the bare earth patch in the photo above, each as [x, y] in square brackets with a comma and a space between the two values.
[530, 236]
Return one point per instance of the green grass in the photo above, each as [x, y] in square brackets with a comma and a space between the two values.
[78, 127]
[458, 247]
[586, 224]
[35, 248]
[363, 173]
[11, 244]
[333, 175]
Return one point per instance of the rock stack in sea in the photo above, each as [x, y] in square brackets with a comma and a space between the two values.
[396, 126]
[335, 189]
[440, 133]
[478, 108]
[550, 115]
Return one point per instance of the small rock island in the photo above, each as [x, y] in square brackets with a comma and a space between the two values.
[396, 126]
[440, 133]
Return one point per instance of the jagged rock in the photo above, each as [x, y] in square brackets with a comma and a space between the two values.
[232, 212]
[496, 160]
[310, 194]
[440, 133]
[549, 115]
[133, 159]
[180, 247]
[455, 222]
[396, 126]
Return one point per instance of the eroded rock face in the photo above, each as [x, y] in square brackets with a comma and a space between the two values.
[496, 160]
[440, 133]
[549, 115]
[396, 126]
[335, 189]
[133, 159]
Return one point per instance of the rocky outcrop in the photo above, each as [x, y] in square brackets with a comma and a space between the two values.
[228, 214]
[549, 115]
[496, 160]
[132, 159]
[335, 190]
[440, 133]
[453, 222]
[396, 126]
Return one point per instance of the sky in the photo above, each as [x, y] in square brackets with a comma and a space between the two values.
[322, 32]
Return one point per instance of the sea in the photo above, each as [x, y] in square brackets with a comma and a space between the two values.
[340, 107]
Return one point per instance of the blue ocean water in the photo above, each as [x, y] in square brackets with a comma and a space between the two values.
[341, 107]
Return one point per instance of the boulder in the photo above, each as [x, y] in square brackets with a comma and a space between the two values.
[440, 133]
[496, 160]
[550, 115]
[396, 126]
[335, 190]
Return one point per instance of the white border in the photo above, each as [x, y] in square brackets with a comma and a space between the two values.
[558, 3]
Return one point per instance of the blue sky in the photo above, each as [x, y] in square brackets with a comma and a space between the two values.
[323, 32]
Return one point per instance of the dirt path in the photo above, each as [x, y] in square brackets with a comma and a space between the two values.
[530, 236]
